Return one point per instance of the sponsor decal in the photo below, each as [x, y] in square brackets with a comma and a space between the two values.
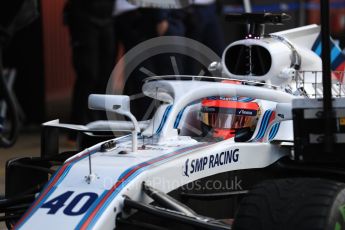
[246, 112]
[212, 161]
[99, 206]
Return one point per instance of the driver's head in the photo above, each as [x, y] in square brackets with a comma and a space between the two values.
[224, 117]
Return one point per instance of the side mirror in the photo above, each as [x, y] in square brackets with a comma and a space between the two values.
[215, 67]
[111, 103]
[283, 111]
[118, 104]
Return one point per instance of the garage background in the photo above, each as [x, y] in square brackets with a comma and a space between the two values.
[42, 57]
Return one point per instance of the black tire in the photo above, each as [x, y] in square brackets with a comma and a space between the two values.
[293, 204]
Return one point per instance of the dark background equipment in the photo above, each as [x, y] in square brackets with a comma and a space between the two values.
[319, 134]
[14, 15]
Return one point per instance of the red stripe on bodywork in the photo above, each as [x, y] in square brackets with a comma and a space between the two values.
[118, 183]
[50, 186]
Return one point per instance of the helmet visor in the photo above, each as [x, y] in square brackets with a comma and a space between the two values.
[228, 118]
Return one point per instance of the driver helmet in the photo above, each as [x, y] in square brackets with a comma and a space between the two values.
[223, 117]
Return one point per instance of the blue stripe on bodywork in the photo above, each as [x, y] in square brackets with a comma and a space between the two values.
[53, 188]
[338, 61]
[317, 45]
[93, 206]
[274, 131]
[335, 53]
[178, 118]
[164, 118]
[318, 49]
[337, 56]
[141, 168]
[263, 125]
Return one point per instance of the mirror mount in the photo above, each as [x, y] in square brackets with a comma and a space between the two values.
[119, 104]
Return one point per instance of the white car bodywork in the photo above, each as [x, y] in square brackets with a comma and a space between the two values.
[171, 160]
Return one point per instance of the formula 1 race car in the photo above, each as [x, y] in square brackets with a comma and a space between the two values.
[225, 152]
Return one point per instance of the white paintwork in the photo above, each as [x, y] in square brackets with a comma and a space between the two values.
[281, 59]
[283, 113]
[301, 36]
[100, 126]
[116, 125]
[110, 103]
[285, 133]
[161, 138]
[184, 92]
[109, 165]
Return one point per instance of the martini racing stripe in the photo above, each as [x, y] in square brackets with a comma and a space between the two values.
[339, 63]
[274, 131]
[97, 209]
[317, 46]
[263, 125]
[180, 115]
[51, 186]
[164, 118]
[178, 118]
[266, 120]
[337, 56]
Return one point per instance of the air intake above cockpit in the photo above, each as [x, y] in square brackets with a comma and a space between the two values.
[251, 60]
